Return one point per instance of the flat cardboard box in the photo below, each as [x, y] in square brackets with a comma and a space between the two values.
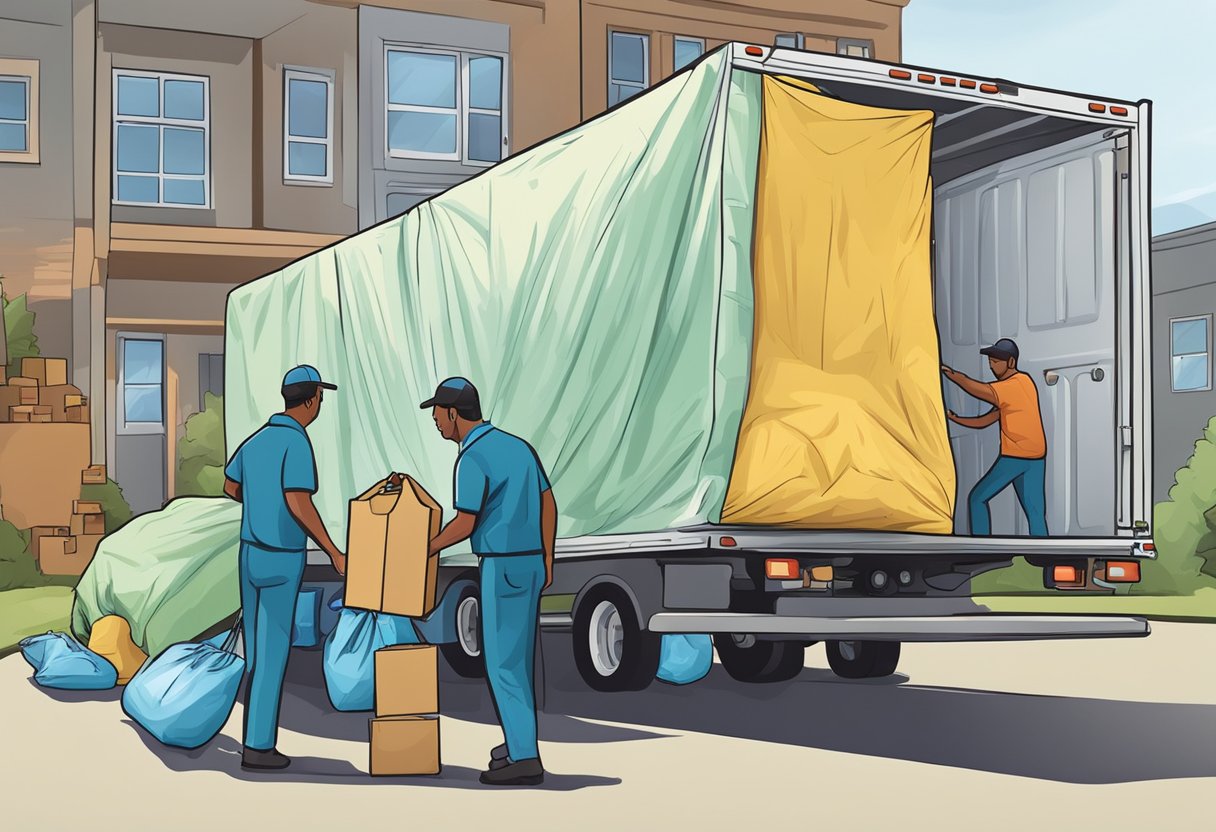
[74, 400]
[78, 414]
[48, 371]
[21, 414]
[86, 507]
[41, 418]
[388, 567]
[93, 475]
[407, 680]
[56, 398]
[404, 745]
[23, 381]
[40, 469]
[85, 524]
[39, 532]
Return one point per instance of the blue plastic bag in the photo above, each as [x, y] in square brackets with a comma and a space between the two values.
[306, 627]
[684, 659]
[350, 650]
[61, 662]
[184, 696]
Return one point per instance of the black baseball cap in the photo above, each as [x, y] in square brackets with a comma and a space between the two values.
[454, 392]
[1004, 348]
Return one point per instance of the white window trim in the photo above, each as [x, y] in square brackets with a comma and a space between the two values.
[461, 110]
[645, 85]
[1208, 353]
[675, 41]
[24, 70]
[122, 427]
[162, 121]
[309, 74]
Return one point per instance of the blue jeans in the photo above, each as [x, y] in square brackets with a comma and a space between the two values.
[270, 582]
[1028, 478]
[510, 611]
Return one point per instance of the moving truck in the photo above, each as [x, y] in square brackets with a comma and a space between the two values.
[1038, 230]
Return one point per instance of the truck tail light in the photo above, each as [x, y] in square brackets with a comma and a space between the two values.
[1148, 547]
[1127, 572]
[781, 569]
[727, 542]
[1065, 575]
[822, 573]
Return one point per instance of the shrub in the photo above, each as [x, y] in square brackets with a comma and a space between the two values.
[113, 504]
[19, 332]
[1184, 528]
[200, 453]
[17, 565]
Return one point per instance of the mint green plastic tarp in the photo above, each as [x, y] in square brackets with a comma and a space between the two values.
[596, 289]
[172, 574]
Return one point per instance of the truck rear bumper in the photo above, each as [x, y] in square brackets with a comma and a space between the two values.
[909, 628]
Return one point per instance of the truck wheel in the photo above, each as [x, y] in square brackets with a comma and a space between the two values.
[611, 650]
[862, 659]
[747, 659]
[464, 654]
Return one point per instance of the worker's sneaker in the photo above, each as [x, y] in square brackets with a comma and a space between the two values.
[523, 773]
[499, 752]
[254, 759]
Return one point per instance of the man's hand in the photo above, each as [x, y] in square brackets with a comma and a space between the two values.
[951, 415]
[949, 372]
[339, 561]
[548, 575]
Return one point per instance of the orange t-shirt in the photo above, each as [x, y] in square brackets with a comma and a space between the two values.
[1022, 434]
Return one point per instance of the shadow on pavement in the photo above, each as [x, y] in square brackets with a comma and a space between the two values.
[73, 696]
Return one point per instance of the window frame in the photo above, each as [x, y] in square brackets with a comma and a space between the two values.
[799, 41]
[122, 427]
[843, 44]
[1207, 353]
[675, 42]
[161, 122]
[329, 78]
[462, 109]
[645, 38]
[25, 70]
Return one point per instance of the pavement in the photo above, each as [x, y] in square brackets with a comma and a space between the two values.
[1111, 734]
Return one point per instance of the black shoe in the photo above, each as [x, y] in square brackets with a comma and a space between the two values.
[499, 752]
[253, 759]
[523, 773]
[497, 763]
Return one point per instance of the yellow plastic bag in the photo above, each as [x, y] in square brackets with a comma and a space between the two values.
[111, 639]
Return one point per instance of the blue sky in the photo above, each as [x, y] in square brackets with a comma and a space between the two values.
[1157, 49]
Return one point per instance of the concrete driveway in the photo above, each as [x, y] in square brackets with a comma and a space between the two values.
[1117, 734]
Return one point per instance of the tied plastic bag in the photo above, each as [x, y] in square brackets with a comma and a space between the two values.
[61, 662]
[684, 659]
[185, 695]
[350, 655]
[111, 639]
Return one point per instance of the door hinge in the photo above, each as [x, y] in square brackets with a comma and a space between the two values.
[1125, 435]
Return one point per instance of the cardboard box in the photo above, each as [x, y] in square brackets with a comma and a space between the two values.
[48, 371]
[21, 413]
[10, 397]
[93, 475]
[57, 556]
[84, 524]
[22, 381]
[74, 400]
[40, 469]
[41, 418]
[86, 507]
[39, 532]
[3, 374]
[404, 745]
[86, 545]
[407, 680]
[388, 568]
[29, 395]
[55, 398]
[78, 414]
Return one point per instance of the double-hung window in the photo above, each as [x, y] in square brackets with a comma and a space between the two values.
[308, 126]
[628, 65]
[18, 110]
[142, 384]
[1191, 354]
[161, 139]
[687, 50]
[445, 105]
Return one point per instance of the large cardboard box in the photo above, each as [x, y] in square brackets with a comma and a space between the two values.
[404, 745]
[49, 371]
[388, 568]
[40, 469]
[56, 399]
[407, 680]
[58, 555]
[85, 524]
[39, 532]
[78, 414]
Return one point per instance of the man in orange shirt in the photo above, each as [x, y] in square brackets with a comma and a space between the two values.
[1023, 459]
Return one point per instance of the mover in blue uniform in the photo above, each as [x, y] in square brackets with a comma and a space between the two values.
[504, 503]
[273, 475]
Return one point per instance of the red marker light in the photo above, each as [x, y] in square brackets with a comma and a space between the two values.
[1119, 111]
[1094, 107]
[900, 74]
[754, 50]
[925, 79]
[991, 89]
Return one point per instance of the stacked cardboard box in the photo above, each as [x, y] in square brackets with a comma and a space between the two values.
[59, 552]
[41, 394]
[93, 475]
[405, 731]
[87, 518]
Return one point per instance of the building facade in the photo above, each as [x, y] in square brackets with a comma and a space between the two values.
[153, 156]
[1184, 301]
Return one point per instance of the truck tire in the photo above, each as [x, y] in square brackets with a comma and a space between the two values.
[611, 650]
[464, 654]
[862, 659]
[751, 660]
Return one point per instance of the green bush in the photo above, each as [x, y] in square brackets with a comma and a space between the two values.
[1184, 528]
[19, 329]
[113, 504]
[17, 565]
[200, 453]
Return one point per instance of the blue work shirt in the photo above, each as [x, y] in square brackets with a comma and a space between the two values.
[500, 479]
[277, 458]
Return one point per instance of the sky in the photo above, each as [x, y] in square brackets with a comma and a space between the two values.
[1161, 50]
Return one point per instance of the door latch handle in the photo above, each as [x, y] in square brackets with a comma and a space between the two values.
[1052, 377]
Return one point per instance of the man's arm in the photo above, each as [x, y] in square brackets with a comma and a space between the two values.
[454, 532]
[232, 489]
[300, 504]
[970, 386]
[975, 422]
[548, 532]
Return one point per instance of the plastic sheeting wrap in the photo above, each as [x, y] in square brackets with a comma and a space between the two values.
[596, 289]
[844, 426]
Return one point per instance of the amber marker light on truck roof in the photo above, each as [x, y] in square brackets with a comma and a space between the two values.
[1095, 107]
[900, 74]
[781, 569]
[925, 78]
[991, 89]
[1118, 111]
[755, 51]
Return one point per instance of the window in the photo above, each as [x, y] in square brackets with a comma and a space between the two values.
[308, 126]
[18, 110]
[210, 376]
[687, 50]
[1190, 354]
[855, 48]
[445, 105]
[628, 65]
[161, 146]
[789, 41]
[142, 384]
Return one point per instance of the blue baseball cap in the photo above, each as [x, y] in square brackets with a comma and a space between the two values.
[454, 392]
[299, 378]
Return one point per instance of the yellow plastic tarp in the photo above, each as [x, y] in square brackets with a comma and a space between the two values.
[844, 426]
